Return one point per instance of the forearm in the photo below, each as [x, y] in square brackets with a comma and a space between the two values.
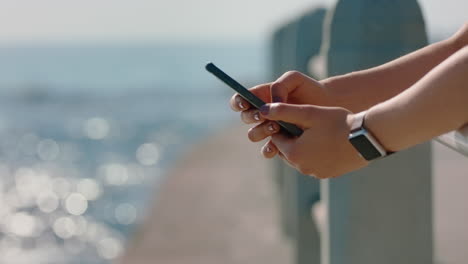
[360, 90]
[436, 104]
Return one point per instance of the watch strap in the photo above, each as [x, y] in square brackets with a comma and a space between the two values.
[358, 124]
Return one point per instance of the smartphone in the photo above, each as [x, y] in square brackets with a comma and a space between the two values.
[288, 128]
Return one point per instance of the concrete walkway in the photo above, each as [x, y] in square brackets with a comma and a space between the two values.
[217, 206]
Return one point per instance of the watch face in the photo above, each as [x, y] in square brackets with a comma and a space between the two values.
[365, 147]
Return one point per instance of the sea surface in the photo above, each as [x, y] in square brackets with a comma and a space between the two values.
[88, 131]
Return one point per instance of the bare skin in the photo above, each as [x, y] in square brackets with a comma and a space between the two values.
[410, 100]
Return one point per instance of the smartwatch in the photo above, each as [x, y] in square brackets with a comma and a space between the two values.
[363, 141]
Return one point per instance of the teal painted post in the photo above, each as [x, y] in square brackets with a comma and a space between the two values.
[309, 38]
[381, 214]
[306, 190]
[282, 59]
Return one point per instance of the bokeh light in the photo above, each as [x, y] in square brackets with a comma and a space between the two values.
[125, 213]
[61, 187]
[64, 227]
[48, 149]
[110, 248]
[22, 224]
[114, 173]
[85, 138]
[96, 128]
[89, 188]
[147, 154]
[76, 204]
[47, 201]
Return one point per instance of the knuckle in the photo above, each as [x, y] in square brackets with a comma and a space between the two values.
[292, 74]
[277, 86]
[277, 109]
[246, 117]
[257, 87]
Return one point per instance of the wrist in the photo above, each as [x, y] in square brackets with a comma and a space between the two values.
[342, 92]
[363, 140]
[381, 123]
[329, 89]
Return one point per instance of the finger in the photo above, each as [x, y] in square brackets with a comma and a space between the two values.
[262, 131]
[252, 116]
[289, 163]
[269, 150]
[302, 115]
[238, 103]
[283, 143]
[285, 85]
[262, 91]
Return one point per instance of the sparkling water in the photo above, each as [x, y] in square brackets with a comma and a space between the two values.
[88, 131]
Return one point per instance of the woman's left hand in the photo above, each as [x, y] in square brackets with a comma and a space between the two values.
[323, 150]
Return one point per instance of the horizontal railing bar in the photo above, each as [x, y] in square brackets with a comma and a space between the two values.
[456, 140]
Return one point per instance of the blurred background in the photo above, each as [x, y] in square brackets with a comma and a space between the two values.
[102, 101]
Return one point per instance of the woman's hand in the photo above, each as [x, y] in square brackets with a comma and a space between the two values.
[292, 87]
[323, 150]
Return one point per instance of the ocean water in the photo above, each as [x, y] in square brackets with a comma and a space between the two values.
[88, 131]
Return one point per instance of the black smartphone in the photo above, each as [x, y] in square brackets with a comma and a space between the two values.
[250, 97]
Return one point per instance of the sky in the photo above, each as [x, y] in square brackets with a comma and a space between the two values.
[171, 20]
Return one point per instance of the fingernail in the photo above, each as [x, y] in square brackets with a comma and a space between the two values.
[277, 99]
[264, 109]
[271, 127]
[257, 116]
[268, 149]
[239, 102]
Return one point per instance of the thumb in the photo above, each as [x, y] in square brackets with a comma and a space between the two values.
[302, 115]
[287, 84]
